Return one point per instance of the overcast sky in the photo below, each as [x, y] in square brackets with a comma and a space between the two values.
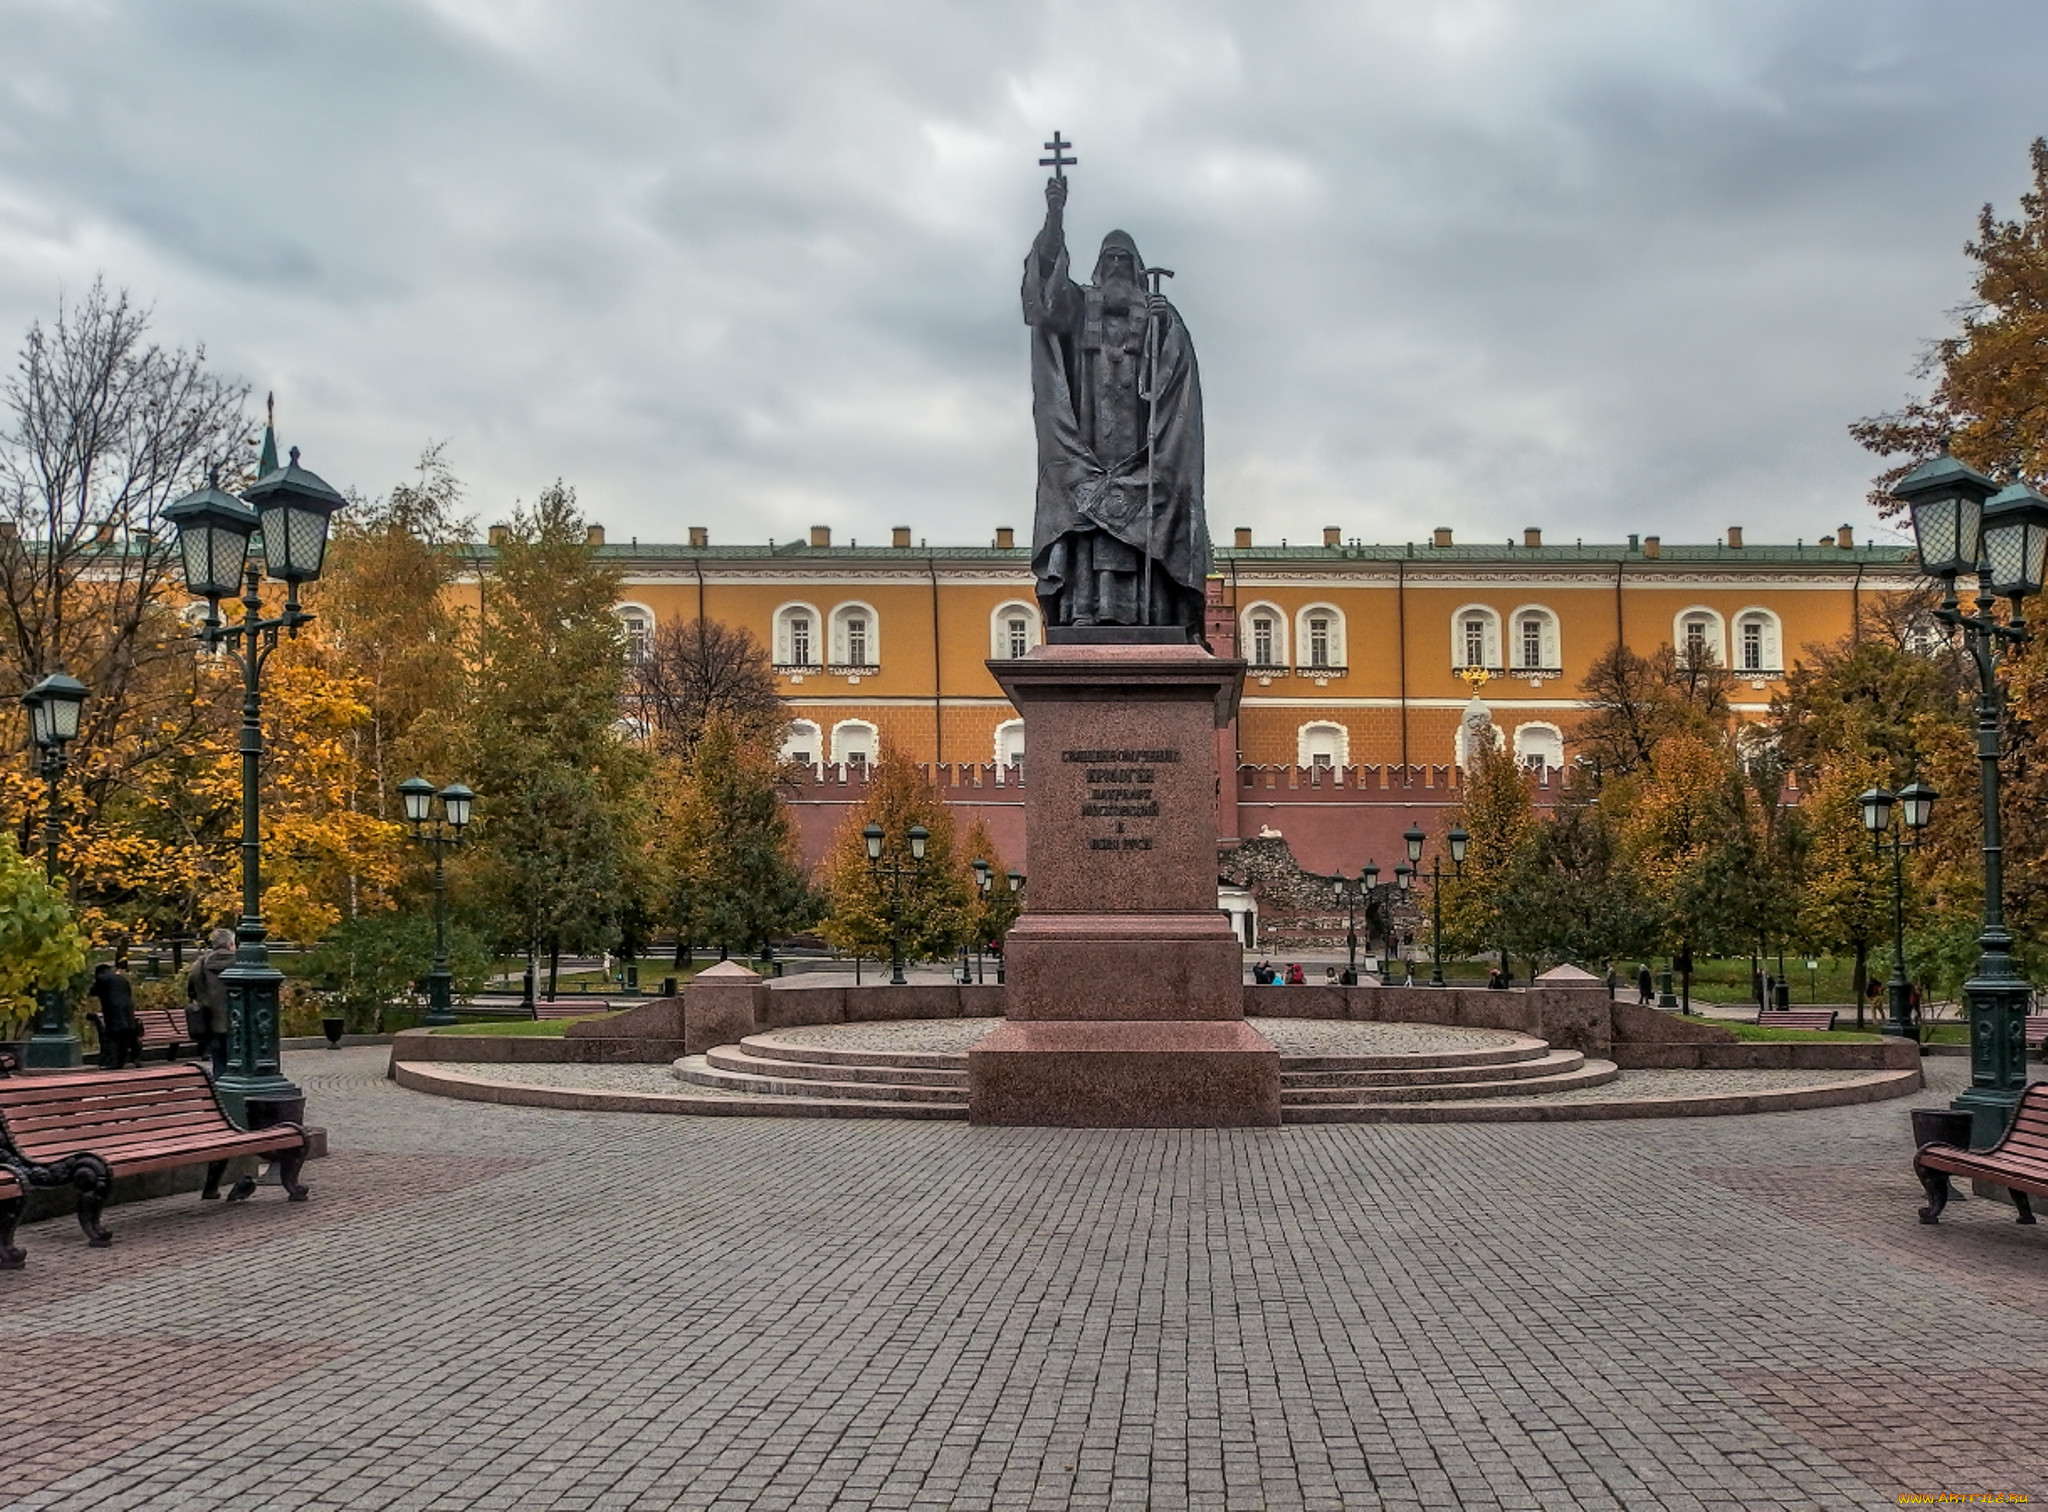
[1598, 267]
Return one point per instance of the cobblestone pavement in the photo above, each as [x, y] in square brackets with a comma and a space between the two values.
[494, 1307]
[1289, 1036]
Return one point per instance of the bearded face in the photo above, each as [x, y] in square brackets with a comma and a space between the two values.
[1117, 274]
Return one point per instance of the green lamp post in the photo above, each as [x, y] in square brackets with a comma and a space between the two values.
[1458, 841]
[53, 705]
[1916, 803]
[445, 833]
[1963, 522]
[293, 508]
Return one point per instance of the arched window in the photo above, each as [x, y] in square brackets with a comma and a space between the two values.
[1696, 635]
[1756, 643]
[1264, 637]
[856, 637]
[1012, 630]
[854, 743]
[1319, 635]
[797, 636]
[1533, 644]
[1539, 746]
[1324, 745]
[1475, 638]
[1010, 743]
[801, 742]
[637, 623]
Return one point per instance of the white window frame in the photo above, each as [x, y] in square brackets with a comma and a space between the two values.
[999, 628]
[803, 734]
[1538, 727]
[1491, 635]
[1280, 628]
[840, 648]
[1305, 641]
[784, 649]
[637, 644]
[1004, 732]
[1548, 632]
[1772, 638]
[1715, 637]
[1307, 735]
[855, 727]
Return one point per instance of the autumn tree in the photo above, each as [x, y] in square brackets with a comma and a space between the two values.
[1576, 896]
[1868, 696]
[1846, 902]
[995, 911]
[936, 910]
[1500, 817]
[1990, 374]
[1634, 703]
[555, 859]
[697, 670]
[735, 876]
[40, 947]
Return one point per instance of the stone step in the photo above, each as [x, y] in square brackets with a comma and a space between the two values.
[769, 1047]
[1528, 1050]
[1557, 1061]
[1312, 1108]
[739, 1058]
[698, 1071]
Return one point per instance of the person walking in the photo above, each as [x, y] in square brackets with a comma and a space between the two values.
[209, 995]
[1644, 986]
[120, 1039]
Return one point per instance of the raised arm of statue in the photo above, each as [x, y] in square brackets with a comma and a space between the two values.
[1051, 297]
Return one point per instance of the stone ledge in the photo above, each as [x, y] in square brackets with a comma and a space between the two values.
[457, 1084]
[1864, 1089]
[1767, 1055]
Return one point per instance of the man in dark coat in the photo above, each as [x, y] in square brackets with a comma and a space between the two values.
[120, 1039]
[1119, 537]
[209, 994]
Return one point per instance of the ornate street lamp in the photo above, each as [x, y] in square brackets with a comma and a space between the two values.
[445, 833]
[293, 509]
[53, 708]
[1916, 804]
[894, 878]
[1459, 840]
[1353, 895]
[1963, 522]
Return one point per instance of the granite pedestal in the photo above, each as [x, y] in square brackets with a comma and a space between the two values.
[1125, 1002]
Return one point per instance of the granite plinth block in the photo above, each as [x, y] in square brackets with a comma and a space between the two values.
[1110, 1074]
[721, 1006]
[1123, 966]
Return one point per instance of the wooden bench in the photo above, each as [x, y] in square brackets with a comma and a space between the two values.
[162, 1029]
[13, 1200]
[2018, 1162]
[1797, 1018]
[85, 1128]
[2036, 1031]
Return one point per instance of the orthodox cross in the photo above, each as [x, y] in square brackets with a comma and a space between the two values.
[1058, 162]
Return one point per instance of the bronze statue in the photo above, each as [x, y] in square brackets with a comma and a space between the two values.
[1119, 536]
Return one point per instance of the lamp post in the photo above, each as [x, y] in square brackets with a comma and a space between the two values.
[292, 508]
[1916, 802]
[445, 833]
[1368, 879]
[895, 874]
[1459, 839]
[53, 708]
[1963, 522]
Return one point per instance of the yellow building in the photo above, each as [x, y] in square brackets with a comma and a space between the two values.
[1356, 650]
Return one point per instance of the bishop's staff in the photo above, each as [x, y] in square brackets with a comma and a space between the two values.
[1149, 392]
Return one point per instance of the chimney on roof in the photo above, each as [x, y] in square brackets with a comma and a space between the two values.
[1846, 538]
[1006, 538]
[1634, 543]
[1442, 536]
[1532, 537]
[1333, 535]
[103, 535]
[593, 535]
[500, 535]
[1241, 538]
[1735, 538]
[1826, 540]
[1653, 546]
[899, 537]
[699, 536]
[821, 535]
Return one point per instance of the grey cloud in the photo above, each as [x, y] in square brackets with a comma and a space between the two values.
[1598, 266]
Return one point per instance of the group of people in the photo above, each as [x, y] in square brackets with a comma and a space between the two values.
[206, 1013]
[1266, 974]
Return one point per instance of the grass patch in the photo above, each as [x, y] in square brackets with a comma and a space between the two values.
[525, 1028]
[1766, 1033]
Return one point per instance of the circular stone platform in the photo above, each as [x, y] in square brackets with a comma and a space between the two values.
[1332, 1071]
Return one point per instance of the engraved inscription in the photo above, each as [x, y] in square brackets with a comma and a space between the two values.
[1120, 784]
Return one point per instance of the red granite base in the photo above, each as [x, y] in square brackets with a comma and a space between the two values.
[1123, 966]
[1123, 1074]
